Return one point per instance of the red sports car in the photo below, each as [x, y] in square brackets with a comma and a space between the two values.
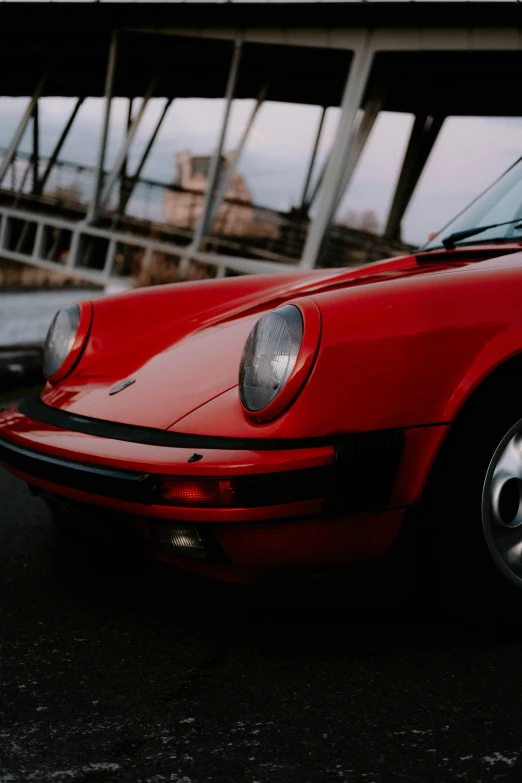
[306, 420]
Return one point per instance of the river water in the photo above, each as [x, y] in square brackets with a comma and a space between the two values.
[25, 317]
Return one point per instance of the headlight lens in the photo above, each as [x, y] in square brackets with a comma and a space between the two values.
[269, 356]
[60, 339]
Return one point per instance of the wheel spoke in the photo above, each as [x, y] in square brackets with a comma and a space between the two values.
[509, 546]
[510, 462]
[502, 514]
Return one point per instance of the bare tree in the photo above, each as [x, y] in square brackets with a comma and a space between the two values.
[369, 222]
[364, 221]
[68, 194]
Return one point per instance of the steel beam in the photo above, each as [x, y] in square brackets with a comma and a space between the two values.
[318, 184]
[131, 181]
[122, 155]
[5, 232]
[13, 173]
[24, 179]
[123, 175]
[109, 88]
[353, 93]
[38, 241]
[358, 143]
[215, 166]
[226, 179]
[22, 125]
[424, 133]
[304, 203]
[35, 158]
[58, 148]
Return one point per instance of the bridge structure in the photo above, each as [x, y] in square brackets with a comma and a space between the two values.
[142, 235]
[431, 60]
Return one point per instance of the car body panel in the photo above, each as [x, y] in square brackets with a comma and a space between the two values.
[112, 453]
[404, 354]
[402, 345]
[420, 448]
[169, 385]
[379, 326]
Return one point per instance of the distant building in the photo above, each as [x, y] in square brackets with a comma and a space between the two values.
[184, 208]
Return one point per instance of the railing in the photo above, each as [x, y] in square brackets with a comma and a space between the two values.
[100, 255]
[274, 236]
[270, 233]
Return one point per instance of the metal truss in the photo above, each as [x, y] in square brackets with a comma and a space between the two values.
[353, 131]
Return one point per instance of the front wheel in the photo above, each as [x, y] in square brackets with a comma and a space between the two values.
[502, 506]
[471, 527]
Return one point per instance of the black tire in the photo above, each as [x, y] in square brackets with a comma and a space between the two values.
[457, 570]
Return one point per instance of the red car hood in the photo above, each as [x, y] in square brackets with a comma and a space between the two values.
[182, 344]
[168, 386]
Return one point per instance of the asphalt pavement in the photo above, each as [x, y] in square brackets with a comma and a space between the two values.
[145, 675]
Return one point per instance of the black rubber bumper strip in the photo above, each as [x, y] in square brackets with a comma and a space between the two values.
[109, 482]
[266, 489]
[361, 477]
[37, 410]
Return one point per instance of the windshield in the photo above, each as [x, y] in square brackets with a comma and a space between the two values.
[502, 201]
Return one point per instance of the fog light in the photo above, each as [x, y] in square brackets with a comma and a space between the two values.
[197, 492]
[183, 540]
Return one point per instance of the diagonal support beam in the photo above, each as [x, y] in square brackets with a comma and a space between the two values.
[23, 181]
[35, 158]
[58, 148]
[213, 175]
[362, 133]
[424, 133]
[130, 183]
[353, 93]
[123, 177]
[22, 125]
[305, 204]
[122, 155]
[360, 137]
[226, 179]
[317, 185]
[93, 210]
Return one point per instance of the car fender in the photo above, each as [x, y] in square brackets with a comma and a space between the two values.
[404, 353]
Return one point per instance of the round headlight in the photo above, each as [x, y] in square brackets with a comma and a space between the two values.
[60, 339]
[269, 356]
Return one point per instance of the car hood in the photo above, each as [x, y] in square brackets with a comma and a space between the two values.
[170, 384]
[182, 344]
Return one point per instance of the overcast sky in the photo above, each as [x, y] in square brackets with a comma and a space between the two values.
[469, 154]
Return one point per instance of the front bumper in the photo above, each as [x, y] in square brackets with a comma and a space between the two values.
[325, 503]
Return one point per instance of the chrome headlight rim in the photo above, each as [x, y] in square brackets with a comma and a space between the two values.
[65, 341]
[300, 365]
